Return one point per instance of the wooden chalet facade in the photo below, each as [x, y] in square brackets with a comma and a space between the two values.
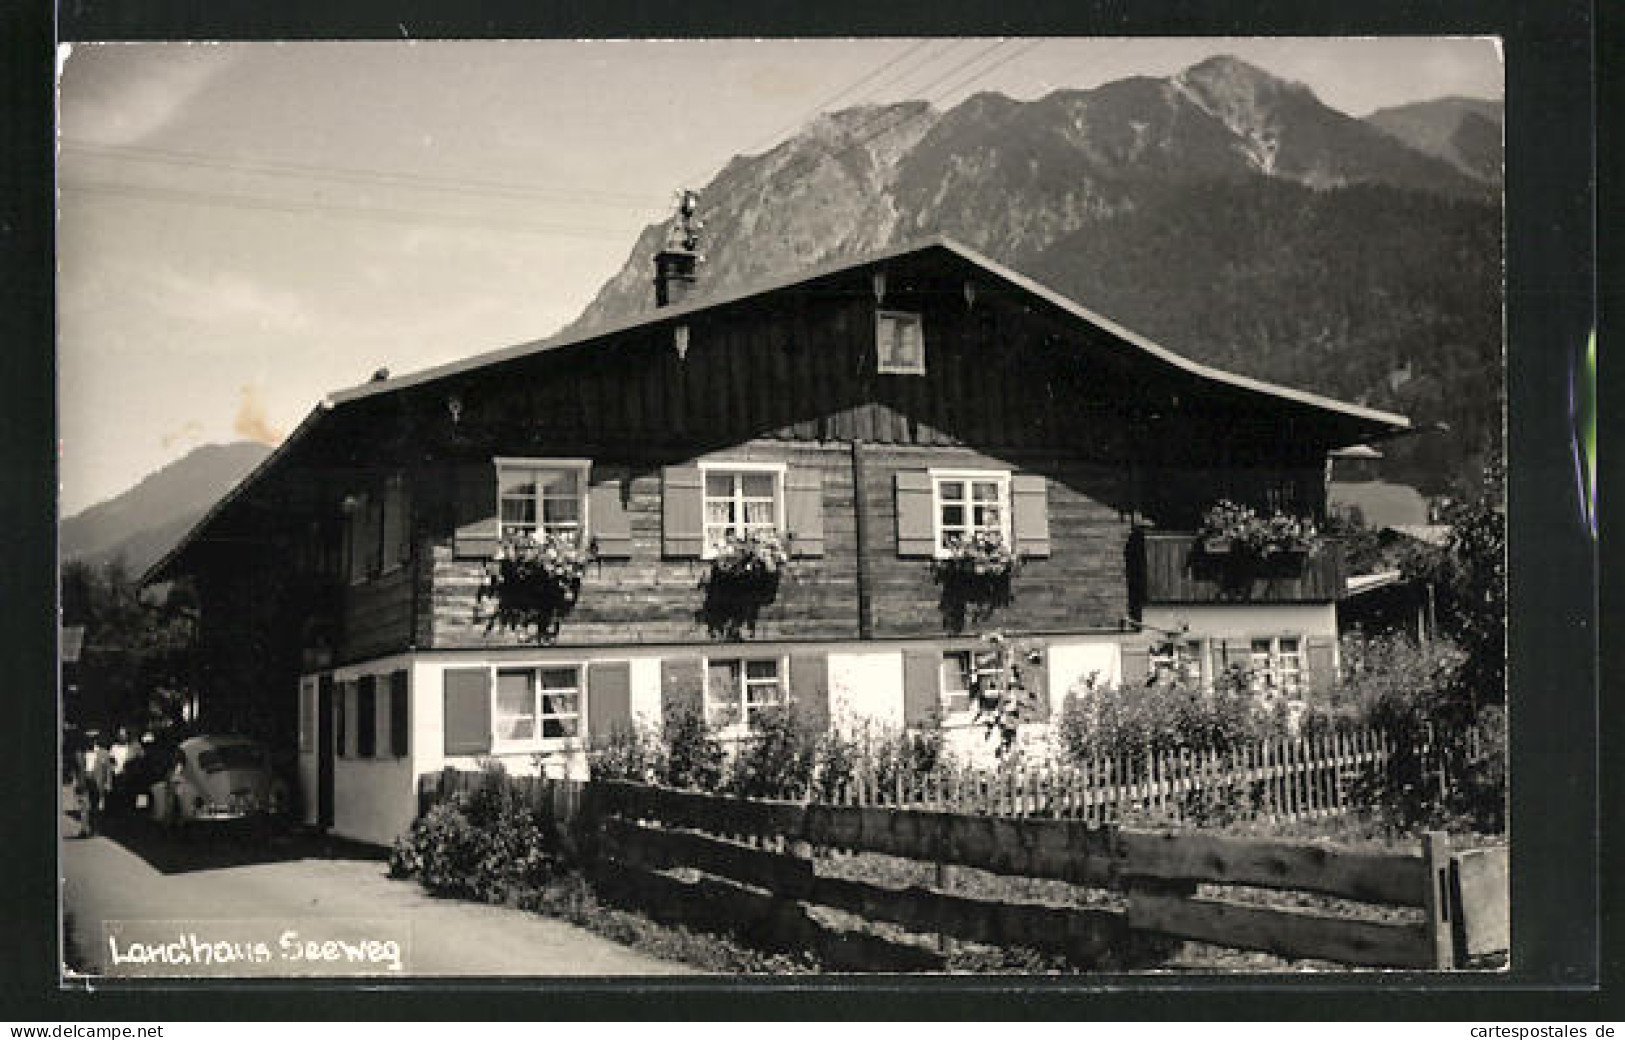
[862, 412]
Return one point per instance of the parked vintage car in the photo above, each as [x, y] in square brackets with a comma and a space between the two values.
[220, 778]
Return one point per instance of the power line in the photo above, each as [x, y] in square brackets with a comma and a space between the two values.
[884, 113]
[891, 64]
[273, 168]
[860, 138]
[306, 208]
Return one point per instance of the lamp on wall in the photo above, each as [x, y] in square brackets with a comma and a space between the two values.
[880, 285]
[679, 340]
[454, 405]
[970, 294]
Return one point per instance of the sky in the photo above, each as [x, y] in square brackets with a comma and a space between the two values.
[244, 228]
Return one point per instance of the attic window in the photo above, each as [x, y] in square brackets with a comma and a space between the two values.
[900, 343]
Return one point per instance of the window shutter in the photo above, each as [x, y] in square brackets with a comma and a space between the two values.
[682, 510]
[804, 510]
[400, 715]
[1036, 679]
[1136, 665]
[809, 690]
[468, 711]
[341, 713]
[1320, 660]
[358, 546]
[916, 535]
[397, 529]
[476, 510]
[366, 717]
[1029, 508]
[606, 512]
[609, 700]
[682, 687]
[922, 678]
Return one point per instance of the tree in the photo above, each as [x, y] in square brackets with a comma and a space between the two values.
[1468, 577]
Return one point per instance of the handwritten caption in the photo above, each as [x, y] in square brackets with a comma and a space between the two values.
[256, 947]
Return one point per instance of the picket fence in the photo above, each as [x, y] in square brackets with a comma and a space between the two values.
[1278, 780]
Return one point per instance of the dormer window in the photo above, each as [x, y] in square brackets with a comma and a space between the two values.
[900, 343]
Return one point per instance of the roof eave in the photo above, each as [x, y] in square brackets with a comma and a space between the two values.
[161, 571]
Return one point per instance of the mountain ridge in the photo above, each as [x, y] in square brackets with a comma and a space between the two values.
[146, 520]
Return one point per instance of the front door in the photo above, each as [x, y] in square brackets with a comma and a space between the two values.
[324, 753]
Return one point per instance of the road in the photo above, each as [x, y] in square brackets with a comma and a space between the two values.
[268, 886]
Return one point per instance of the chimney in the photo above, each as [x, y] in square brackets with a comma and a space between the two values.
[675, 265]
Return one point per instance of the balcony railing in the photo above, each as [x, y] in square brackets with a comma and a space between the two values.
[1174, 568]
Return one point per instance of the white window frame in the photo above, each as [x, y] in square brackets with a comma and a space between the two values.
[883, 365]
[1182, 663]
[743, 727]
[961, 718]
[583, 468]
[999, 476]
[1268, 681]
[538, 742]
[778, 470]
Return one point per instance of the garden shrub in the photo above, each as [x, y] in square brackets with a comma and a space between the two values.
[486, 845]
[694, 757]
[629, 752]
[778, 759]
[1133, 722]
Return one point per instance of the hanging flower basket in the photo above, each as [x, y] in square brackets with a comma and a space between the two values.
[744, 577]
[756, 557]
[535, 580]
[983, 557]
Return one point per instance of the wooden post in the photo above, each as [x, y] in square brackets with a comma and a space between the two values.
[1436, 855]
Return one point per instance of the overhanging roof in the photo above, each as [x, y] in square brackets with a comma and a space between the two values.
[377, 387]
[970, 256]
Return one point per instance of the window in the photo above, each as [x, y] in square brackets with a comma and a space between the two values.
[969, 503]
[542, 498]
[899, 343]
[536, 705]
[1276, 664]
[740, 500]
[964, 674]
[737, 690]
[1177, 662]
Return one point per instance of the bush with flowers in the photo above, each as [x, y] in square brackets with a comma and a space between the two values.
[1231, 528]
[755, 556]
[975, 578]
[744, 577]
[535, 580]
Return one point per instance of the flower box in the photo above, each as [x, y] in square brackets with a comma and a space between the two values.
[1228, 528]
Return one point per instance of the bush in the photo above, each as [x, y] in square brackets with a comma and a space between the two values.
[778, 759]
[1135, 722]
[694, 757]
[630, 752]
[486, 845]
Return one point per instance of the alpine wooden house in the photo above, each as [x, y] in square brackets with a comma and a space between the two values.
[868, 417]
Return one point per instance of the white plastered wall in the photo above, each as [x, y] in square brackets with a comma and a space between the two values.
[866, 687]
[374, 799]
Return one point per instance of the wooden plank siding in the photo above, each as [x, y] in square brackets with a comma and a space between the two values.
[791, 376]
[1177, 570]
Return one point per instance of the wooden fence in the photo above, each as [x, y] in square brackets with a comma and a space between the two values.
[1304, 778]
[758, 867]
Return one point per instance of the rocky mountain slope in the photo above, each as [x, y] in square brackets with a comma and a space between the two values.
[1465, 132]
[146, 521]
[1223, 211]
